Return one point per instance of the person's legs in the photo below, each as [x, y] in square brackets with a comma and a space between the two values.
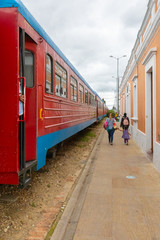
[112, 132]
[109, 136]
[21, 144]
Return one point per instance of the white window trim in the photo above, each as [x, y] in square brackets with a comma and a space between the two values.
[134, 119]
[128, 100]
[150, 63]
[123, 103]
[135, 101]
[150, 54]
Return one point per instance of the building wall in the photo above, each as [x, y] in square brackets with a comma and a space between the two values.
[141, 97]
[144, 65]
[131, 101]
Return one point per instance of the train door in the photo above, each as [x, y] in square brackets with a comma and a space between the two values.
[31, 98]
[28, 88]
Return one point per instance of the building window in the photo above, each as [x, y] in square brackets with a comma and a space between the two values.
[49, 74]
[29, 69]
[86, 96]
[60, 81]
[73, 89]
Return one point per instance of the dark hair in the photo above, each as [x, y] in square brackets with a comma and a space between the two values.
[125, 114]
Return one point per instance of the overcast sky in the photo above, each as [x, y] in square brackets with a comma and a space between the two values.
[89, 31]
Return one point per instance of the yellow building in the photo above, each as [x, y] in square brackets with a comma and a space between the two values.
[140, 86]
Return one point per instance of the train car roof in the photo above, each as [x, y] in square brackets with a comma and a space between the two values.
[33, 22]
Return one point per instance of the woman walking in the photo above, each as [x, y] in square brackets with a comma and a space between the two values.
[110, 123]
[125, 125]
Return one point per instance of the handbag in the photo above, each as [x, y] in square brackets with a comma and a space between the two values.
[114, 126]
[106, 127]
[106, 124]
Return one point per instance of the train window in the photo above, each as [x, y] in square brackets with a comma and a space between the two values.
[73, 89]
[29, 69]
[86, 96]
[100, 104]
[60, 81]
[57, 85]
[49, 74]
[90, 98]
[63, 88]
[81, 93]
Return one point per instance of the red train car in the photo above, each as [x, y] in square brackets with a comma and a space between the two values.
[100, 108]
[58, 102]
[105, 110]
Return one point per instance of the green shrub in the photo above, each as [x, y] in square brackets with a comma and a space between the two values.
[111, 111]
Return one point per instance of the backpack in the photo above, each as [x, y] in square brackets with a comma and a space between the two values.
[125, 122]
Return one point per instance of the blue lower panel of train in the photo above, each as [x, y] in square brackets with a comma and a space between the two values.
[100, 117]
[47, 141]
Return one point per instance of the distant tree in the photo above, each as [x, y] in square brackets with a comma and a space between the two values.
[111, 111]
[114, 108]
[103, 100]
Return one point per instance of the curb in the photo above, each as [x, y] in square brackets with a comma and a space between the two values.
[60, 230]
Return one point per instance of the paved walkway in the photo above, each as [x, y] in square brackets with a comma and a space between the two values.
[111, 206]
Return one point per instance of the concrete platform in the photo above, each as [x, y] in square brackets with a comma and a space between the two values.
[117, 197]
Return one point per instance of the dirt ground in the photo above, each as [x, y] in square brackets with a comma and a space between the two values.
[19, 217]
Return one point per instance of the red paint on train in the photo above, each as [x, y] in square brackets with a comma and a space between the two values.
[45, 113]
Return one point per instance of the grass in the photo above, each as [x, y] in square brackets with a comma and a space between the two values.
[81, 145]
[86, 136]
[85, 139]
[91, 134]
[33, 204]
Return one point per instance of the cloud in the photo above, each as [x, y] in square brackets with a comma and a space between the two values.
[133, 15]
[88, 32]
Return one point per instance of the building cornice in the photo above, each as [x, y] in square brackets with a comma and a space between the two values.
[150, 54]
[134, 77]
[136, 56]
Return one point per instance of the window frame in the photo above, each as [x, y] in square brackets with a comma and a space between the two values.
[51, 93]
